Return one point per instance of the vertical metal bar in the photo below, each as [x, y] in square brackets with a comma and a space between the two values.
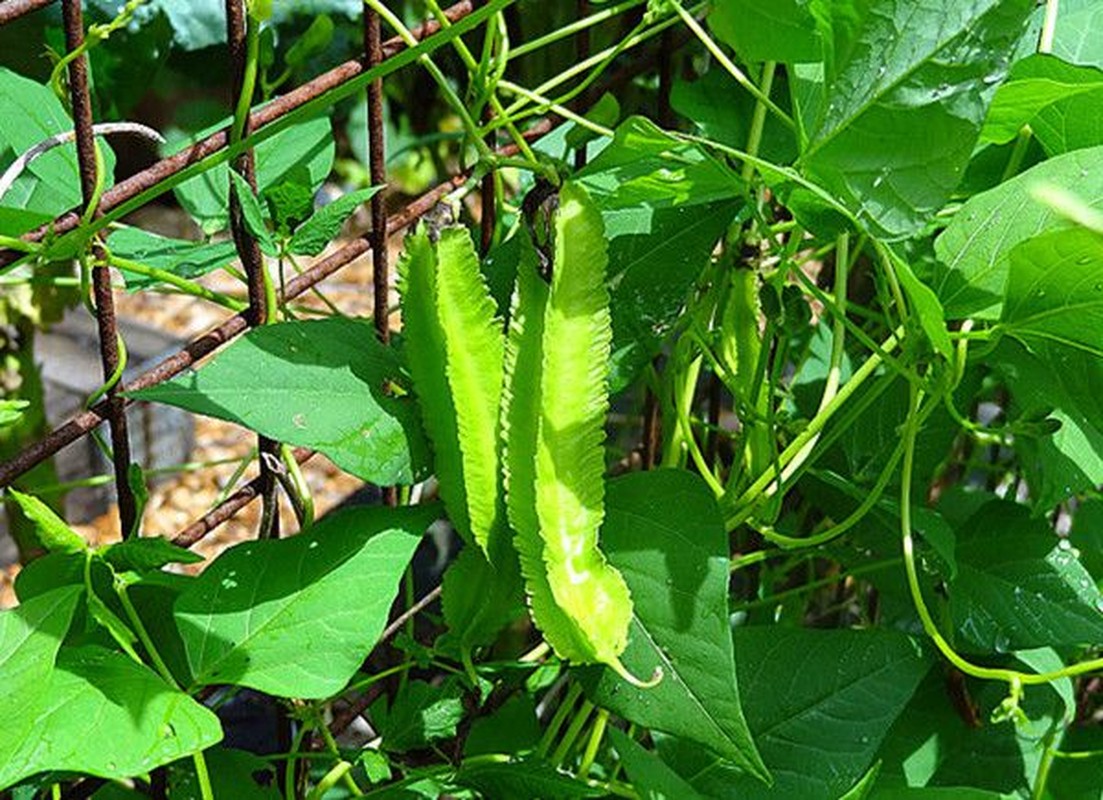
[251, 258]
[81, 101]
[582, 43]
[377, 169]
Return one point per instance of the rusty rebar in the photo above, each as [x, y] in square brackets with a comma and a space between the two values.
[14, 9]
[248, 250]
[281, 106]
[81, 101]
[377, 170]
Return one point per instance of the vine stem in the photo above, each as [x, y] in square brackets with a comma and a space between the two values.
[202, 775]
[434, 71]
[491, 95]
[1013, 678]
[185, 286]
[729, 65]
[574, 27]
[767, 481]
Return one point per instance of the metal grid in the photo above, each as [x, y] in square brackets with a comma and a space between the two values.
[147, 184]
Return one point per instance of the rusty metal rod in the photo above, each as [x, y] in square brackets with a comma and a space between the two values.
[377, 168]
[14, 9]
[281, 106]
[81, 100]
[248, 250]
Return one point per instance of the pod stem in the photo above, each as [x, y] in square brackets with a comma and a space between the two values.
[622, 671]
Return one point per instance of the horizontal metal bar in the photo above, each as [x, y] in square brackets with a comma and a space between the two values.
[14, 9]
[281, 106]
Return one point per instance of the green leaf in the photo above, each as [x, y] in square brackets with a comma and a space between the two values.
[780, 30]
[935, 744]
[312, 237]
[30, 635]
[183, 258]
[50, 185]
[313, 41]
[50, 529]
[1054, 98]
[146, 553]
[975, 248]
[478, 600]
[11, 411]
[525, 778]
[420, 714]
[651, 778]
[722, 111]
[233, 773]
[317, 383]
[927, 307]
[1055, 290]
[513, 728]
[252, 214]
[819, 702]
[1016, 588]
[1067, 385]
[665, 534]
[653, 266]
[1087, 536]
[904, 101]
[304, 150]
[135, 719]
[296, 617]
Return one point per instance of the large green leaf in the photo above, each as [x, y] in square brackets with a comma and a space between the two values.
[1056, 99]
[664, 532]
[326, 384]
[779, 30]
[1055, 290]
[651, 777]
[936, 743]
[183, 258]
[1017, 588]
[664, 204]
[1066, 384]
[51, 184]
[104, 715]
[303, 152]
[30, 635]
[975, 248]
[819, 703]
[296, 617]
[905, 96]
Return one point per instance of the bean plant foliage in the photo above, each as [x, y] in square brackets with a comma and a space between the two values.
[766, 416]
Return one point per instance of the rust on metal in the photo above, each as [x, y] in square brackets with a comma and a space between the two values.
[248, 250]
[14, 9]
[81, 101]
[377, 169]
[281, 106]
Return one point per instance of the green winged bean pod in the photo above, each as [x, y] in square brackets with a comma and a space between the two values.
[556, 399]
[455, 347]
